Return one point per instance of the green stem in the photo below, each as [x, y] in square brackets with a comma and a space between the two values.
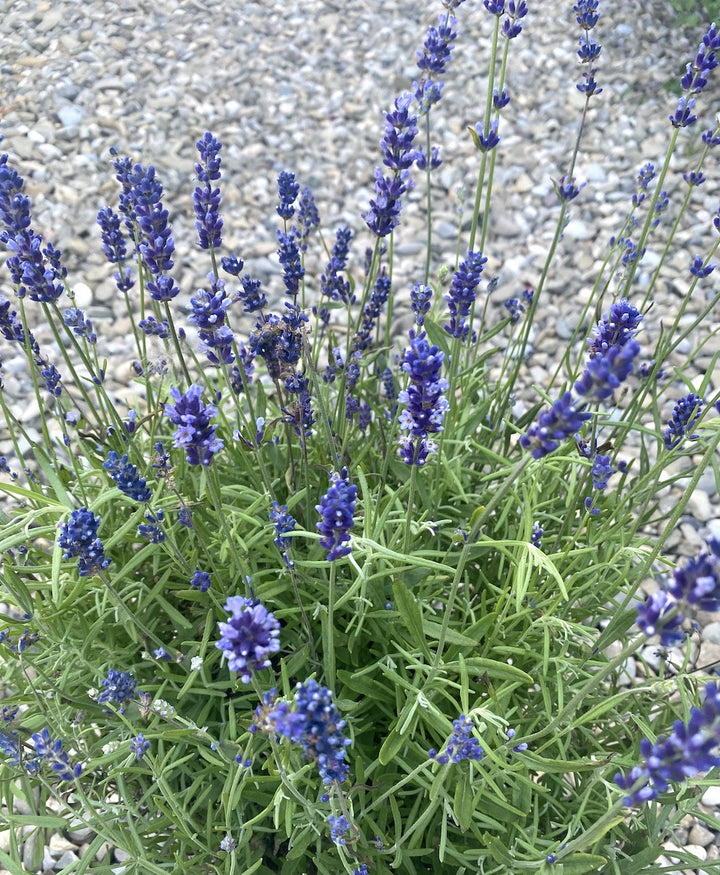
[329, 647]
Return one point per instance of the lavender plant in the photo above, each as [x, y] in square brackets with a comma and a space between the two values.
[436, 573]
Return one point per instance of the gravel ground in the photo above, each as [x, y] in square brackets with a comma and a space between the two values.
[301, 85]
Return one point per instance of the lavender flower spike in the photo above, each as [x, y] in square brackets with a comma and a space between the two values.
[336, 511]
[554, 426]
[316, 725]
[685, 414]
[688, 750]
[194, 432]
[426, 403]
[206, 199]
[53, 754]
[249, 637]
[78, 538]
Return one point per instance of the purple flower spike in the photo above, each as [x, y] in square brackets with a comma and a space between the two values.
[78, 538]
[118, 687]
[462, 294]
[687, 751]
[336, 511]
[605, 373]
[685, 414]
[206, 199]
[698, 582]
[462, 744]
[288, 191]
[554, 426]
[194, 433]
[53, 754]
[657, 616]
[316, 724]
[249, 637]
[424, 398]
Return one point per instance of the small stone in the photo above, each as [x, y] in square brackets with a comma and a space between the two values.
[701, 835]
[699, 506]
[83, 295]
[70, 116]
[711, 633]
[711, 797]
[67, 859]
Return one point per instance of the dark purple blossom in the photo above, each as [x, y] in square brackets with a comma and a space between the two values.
[420, 301]
[427, 94]
[685, 414]
[515, 308]
[332, 283]
[154, 328]
[79, 539]
[500, 99]
[201, 580]
[206, 199]
[289, 255]
[536, 535]
[207, 312]
[616, 327]
[695, 177]
[126, 477]
[554, 426]
[316, 724]
[397, 147]
[194, 432]
[688, 750]
[298, 411]
[437, 46]
[284, 523]
[658, 615]
[118, 687]
[699, 269]
[152, 528]
[485, 142]
[288, 191]
[696, 73]
[378, 299]
[604, 373]
[683, 116]
[232, 264]
[113, 239]
[53, 754]
[336, 511]
[511, 27]
[75, 319]
[424, 398]
[278, 340]
[141, 203]
[462, 744]
[645, 177]
[251, 295]
[139, 746]
[36, 272]
[308, 216]
[400, 133]
[339, 827]
[697, 583]
[566, 189]
[384, 213]
[462, 294]
[250, 635]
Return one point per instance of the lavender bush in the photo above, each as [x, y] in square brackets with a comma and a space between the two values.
[325, 599]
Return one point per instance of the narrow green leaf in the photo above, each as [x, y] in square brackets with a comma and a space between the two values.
[495, 669]
[579, 864]
[411, 614]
